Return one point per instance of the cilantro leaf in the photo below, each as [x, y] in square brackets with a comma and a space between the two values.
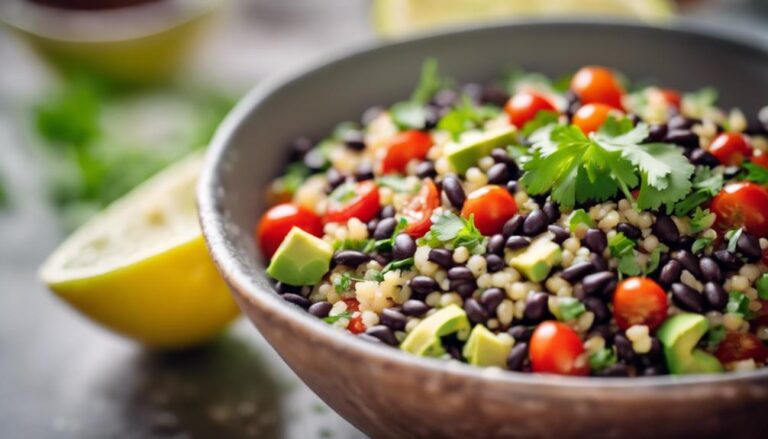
[409, 115]
[733, 239]
[364, 245]
[702, 219]
[430, 82]
[579, 217]
[542, 119]
[700, 101]
[616, 126]
[398, 184]
[700, 244]
[570, 308]
[629, 266]
[344, 193]
[715, 336]
[738, 303]
[620, 245]
[466, 116]
[398, 265]
[447, 228]
[761, 285]
[755, 173]
[337, 317]
[602, 359]
[342, 283]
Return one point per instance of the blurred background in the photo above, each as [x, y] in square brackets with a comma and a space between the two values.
[95, 96]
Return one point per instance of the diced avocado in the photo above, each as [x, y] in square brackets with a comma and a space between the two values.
[301, 259]
[424, 339]
[679, 336]
[536, 261]
[484, 348]
[468, 152]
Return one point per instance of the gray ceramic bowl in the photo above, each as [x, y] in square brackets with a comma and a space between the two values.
[387, 393]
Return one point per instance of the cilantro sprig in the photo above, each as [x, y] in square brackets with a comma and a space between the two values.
[755, 173]
[466, 116]
[411, 113]
[706, 184]
[447, 228]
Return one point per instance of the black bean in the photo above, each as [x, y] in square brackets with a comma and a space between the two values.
[371, 226]
[536, 307]
[404, 247]
[354, 140]
[320, 309]
[689, 262]
[749, 246]
[716, 296]
[370, 114]
[461, 273]
[491, 298]
[535, 223]
[596, 282]
[624, 349]
[517, 356]
[334, 178]
[475, 312]
[617, 370]
[442, 257]
[552, 211]
[285, 288]
[727, 260]
[297, 300]
[453, 191]
[464, 289]
[680, 122]
[382, 333]
[702, 157]
[494, 94]
[384, 228]
[595, 240]
[602, 330]
[423, 285]
[426, 169]
[363, 171]
[577, 271]
[656, 132]
[496, 245]
[415, 308]
[684, 138]
[665, 229]
[387, 211]
[431, 117]
[670, 273]
[609, 288]
[500, 155]
[350, 258]
[598, 308]
[520, 333]
[517, 242]
[494, 263]
[498, 174]
[710, 271]
[598, 261]
[513, 187]
[513, 225]
[657, 349]
[684, 242]
[393, 318]
[560, 234]
[688, 299]
[572, 103]
[629, 231]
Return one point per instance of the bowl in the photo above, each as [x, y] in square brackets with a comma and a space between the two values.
[388, 393]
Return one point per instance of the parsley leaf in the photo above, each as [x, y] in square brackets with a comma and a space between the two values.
[755, 173]
[447, 228]
[702, 219]
[337, 317]
[466, 116]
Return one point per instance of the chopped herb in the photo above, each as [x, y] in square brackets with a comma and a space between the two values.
[616, 126]
[620, 245]
[602, 359]
[762, 286]
[375, 276]
[397, 265]
[570, 308]
[344, 193]
[738, 303]
[715, 336]
[579, 217]
[733, 239]
[388, 243]
[412, 114]
[430, 82]
[409, 115]
[698, 102]
[362, 245]
[294, 176]
[755, 173]
[541, 120]
[447, 228]
[342, 283]
[629, 266]
[654, 259]
[519, 154]
[337, 317]
[466, 116]
[702, 219]
[706, 185]
[398, 184]
[700, 244]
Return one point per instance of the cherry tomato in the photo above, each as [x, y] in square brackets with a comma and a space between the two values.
[639, 301]
[279, 220]
[672, 97]
[524, 106]
[404, 147]
[761, 160]
[356, 325]
[597, 85]
[419, 210]
[556, 348]
[352, 304]
[364, 205]
[742, 204]
[730, 148]
[591, 117]
[491, 206]
[741, 346]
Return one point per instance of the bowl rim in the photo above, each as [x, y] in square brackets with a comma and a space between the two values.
[213, 224]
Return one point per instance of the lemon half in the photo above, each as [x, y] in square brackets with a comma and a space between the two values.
[398, 17]
[141, 267]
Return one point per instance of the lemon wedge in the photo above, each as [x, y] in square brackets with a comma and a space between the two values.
[399, 17]
[141, 267]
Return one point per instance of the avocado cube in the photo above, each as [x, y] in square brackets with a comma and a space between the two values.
[484, 348]
[537, 260]
[301, 259]
[679, 336]
[468, 152]
[424, 339]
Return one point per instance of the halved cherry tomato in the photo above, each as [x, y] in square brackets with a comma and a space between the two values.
[556, 348]
[418, 211]
[279, 220]
[741, 346]
[730, 148]
[524, 106]
[491, 206]
[363, 205]
[356, 325]
[597, 85]
[404, 147]
[742, 205]
[672, 97]
[639, 301]
[591, 117]
[352, 304]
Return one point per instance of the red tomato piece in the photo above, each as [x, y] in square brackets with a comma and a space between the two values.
[491, 207]
[742, 205]
[589, 118]
[356, 325]
[730, 148]
[523, 107]
[761, 160]
[279, 220]
[672, 97]
[741, 346]
[352, 304]
[639, 301]
[404, 147]
[364, 205]
[418, 211]
[556, 348]
[597, 85]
